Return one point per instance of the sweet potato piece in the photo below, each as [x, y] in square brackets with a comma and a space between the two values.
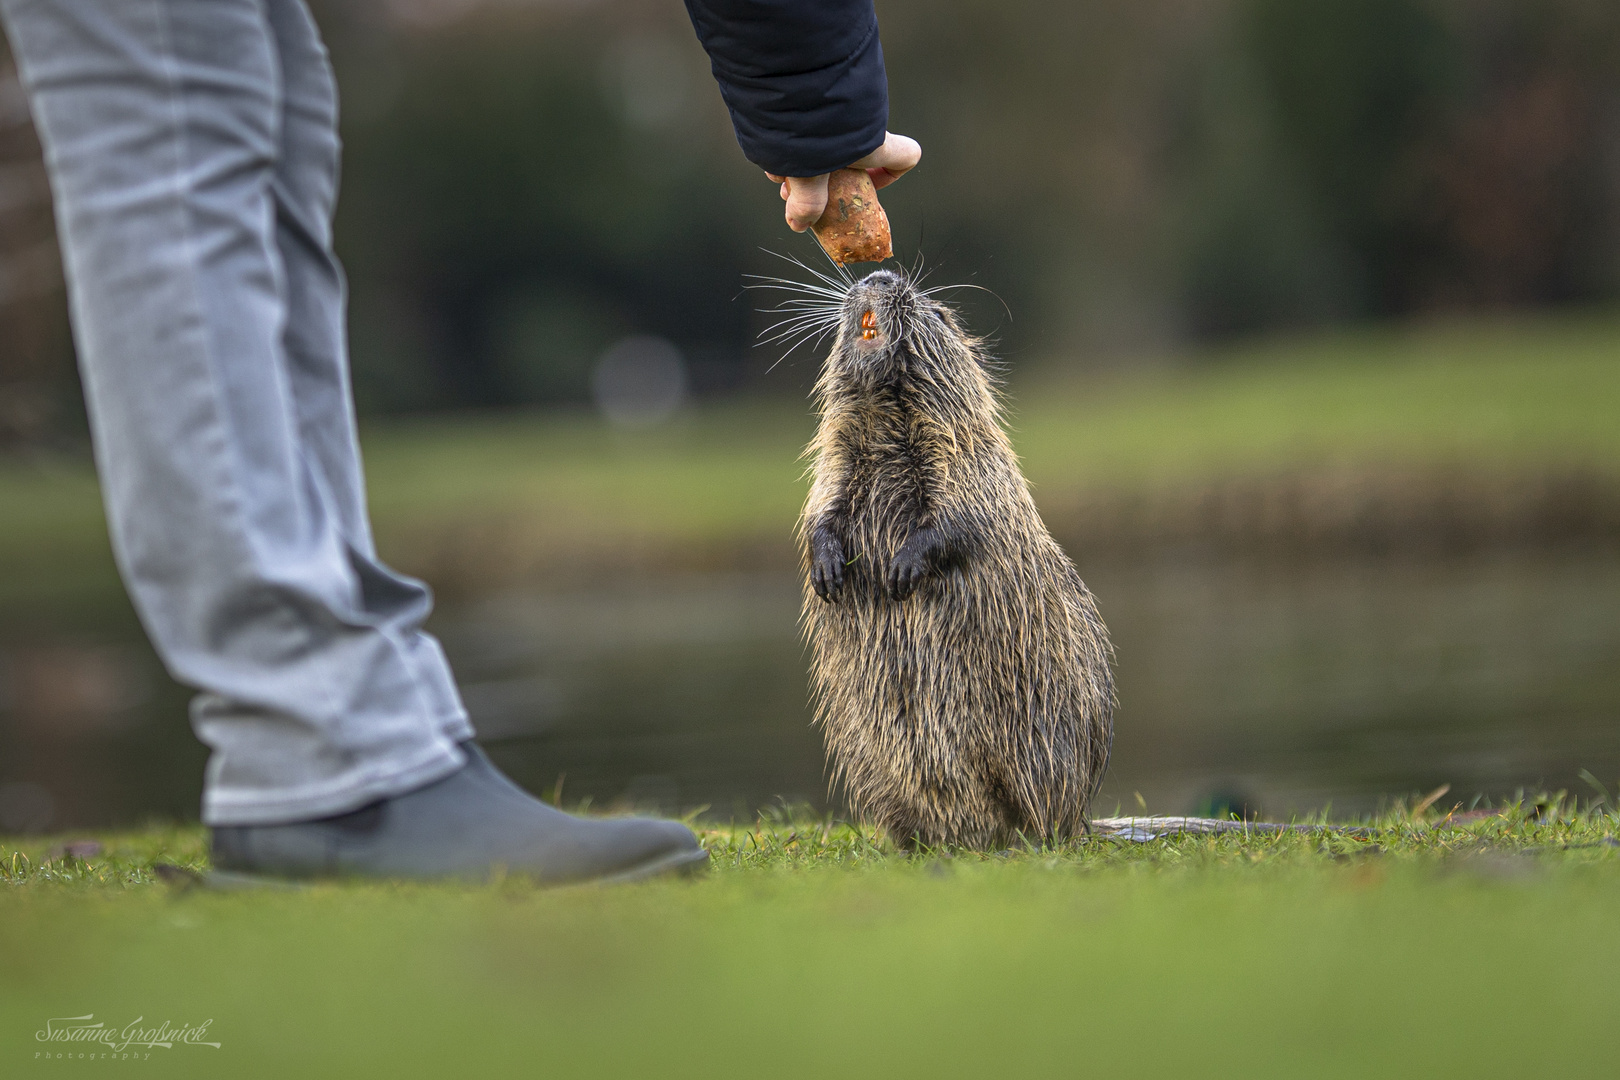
[854, 227]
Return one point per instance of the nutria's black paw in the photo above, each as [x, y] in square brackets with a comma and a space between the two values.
[826, 565]
[906, 572]
[916, 557]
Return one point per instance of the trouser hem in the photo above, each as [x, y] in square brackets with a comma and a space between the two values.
[365, 784]
[458, 728]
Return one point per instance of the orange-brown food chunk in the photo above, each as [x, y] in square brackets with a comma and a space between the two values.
[854, 227]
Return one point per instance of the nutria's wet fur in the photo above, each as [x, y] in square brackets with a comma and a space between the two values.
[960, 668]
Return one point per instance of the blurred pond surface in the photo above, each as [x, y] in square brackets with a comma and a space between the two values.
[1283, 687]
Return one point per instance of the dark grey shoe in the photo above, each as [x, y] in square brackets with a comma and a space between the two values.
[470, 825]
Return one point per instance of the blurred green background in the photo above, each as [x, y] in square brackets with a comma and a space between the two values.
[1313, 358]
[1307, 310]
[527, 181]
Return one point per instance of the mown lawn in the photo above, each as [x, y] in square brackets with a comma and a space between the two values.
[1486, 949]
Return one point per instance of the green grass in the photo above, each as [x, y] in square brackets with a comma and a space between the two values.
[532, 490]
[1491, 395]
[814, 950]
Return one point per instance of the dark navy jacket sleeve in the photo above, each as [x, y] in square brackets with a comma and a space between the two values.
[803, 79]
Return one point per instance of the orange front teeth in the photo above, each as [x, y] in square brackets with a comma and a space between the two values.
[869, 326]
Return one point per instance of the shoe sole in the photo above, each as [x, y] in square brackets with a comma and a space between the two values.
[236, 881]
[678, 864]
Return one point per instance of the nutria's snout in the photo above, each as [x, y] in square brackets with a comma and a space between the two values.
[879, 288]
[876, 310]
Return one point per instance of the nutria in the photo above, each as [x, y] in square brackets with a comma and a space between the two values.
[960, 668]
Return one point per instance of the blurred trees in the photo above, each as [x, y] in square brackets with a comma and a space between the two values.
[36, 375]
[1392, 156]
[526, 186]
[529, 181]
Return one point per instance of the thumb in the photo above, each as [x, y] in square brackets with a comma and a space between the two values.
[897, 156]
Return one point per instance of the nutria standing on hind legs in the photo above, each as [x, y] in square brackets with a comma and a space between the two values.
[960, 668]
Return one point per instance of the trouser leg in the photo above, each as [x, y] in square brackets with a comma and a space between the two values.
[304, 187]
[245, 554]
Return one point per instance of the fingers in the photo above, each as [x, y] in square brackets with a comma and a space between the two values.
[806, 198]
[897, 156]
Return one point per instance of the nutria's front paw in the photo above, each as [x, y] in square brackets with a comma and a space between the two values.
[826, 565]
[906, 572]
[913, 562]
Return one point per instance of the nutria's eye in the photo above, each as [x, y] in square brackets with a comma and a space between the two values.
[869, 326]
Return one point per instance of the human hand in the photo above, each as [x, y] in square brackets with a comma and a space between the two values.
[806, 196]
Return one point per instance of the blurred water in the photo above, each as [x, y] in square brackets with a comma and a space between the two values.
[1287, 687]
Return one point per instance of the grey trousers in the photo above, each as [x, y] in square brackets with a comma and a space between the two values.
[193, 156]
